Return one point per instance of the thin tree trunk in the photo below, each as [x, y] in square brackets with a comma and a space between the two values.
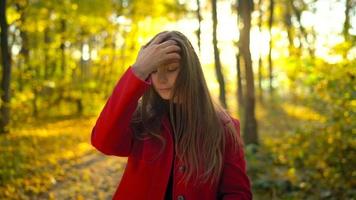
[20, 8]
[34, 102]
[199, 27]
[260, 62]
[25, 57]
[239, 93]
[62, 48]
[348, 5]
[240, 97]
[288, 25]
[298, 14]
[218, 70]
[36, 73]
[260, 66]
[270, 62]
[46, 39]
[346, 27]
[250, 123]
[25, 53]
[6, 70]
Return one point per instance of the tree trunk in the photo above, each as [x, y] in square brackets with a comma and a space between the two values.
[62, 48]
[199, 27]
[260, 62]
[25, 56]
[298, 15]
[250, 123]
[20, 8]
[348, 5]
[346, 27]
[218, 70]
[6, 71]
[239, 93]
[270, 62]
[240, 97]
[46, 49]
[288, 24]
[36, 74]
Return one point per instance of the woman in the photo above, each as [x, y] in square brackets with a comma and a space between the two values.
[179, 144]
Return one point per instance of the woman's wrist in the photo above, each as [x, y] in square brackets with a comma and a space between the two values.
[139, 72]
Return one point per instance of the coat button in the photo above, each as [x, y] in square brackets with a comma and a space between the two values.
[182, 168]
[180, 197]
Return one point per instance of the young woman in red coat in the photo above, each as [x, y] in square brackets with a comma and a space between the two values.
[179, 143]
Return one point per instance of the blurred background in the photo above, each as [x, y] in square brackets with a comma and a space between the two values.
[285, 69]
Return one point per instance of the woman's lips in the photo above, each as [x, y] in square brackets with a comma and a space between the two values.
[164, 89]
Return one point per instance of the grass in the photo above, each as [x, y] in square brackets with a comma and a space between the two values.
[34, 156]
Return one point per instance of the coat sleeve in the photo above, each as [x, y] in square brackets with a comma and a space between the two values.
[112, 134]
[234, 183]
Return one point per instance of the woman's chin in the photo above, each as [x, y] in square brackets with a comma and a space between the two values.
[165, 96]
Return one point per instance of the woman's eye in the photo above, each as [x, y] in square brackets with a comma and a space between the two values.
[172, 69]
[155, 71]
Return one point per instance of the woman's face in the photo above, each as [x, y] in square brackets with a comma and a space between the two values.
[164, 78]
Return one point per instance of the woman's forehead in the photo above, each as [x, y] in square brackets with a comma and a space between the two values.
[170, 65]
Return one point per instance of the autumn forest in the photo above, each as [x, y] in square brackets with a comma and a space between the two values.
[285, 69]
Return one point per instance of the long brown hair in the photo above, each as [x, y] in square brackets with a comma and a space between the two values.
[198, 125]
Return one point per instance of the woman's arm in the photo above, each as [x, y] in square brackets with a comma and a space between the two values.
[235, 184]
[112, 134]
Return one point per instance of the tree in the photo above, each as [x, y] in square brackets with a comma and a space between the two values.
[239, 92]
[287, 21]
[297, 8]
[199, 21]
[218, 70]
[260, 62]
[6, 70]
[349, 39]
[348, 6]
[270, 62]
[245, 8]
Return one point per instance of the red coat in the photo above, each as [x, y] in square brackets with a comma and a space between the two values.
[146, 177]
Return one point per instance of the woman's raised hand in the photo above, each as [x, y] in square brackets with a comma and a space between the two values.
[154, 55]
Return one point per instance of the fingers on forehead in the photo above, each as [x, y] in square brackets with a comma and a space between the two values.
[160, 38]
[173, 57]
[169, 43]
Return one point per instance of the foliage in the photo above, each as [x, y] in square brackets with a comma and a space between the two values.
[35, 157]
[67, 55]
[315, 156]
[66, 51]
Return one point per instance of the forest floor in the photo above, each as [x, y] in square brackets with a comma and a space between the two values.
[54, 159]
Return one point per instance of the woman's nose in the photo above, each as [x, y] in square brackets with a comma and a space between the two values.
[162, 76]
